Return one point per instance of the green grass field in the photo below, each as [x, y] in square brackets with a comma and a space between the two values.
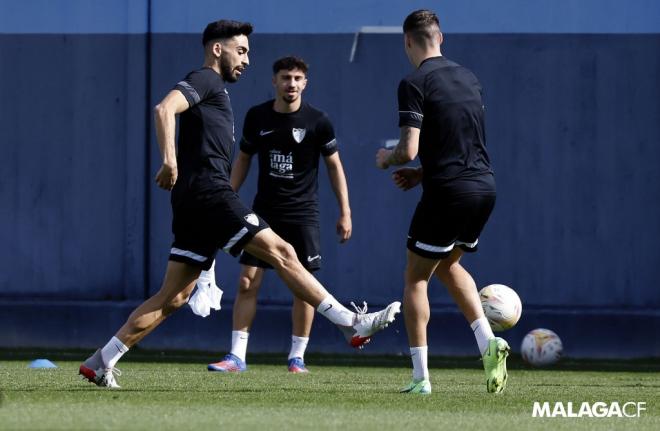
[177, 393]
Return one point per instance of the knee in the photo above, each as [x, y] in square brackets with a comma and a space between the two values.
[416, 287]
[175, 303]
[285, 255]
[247, 284]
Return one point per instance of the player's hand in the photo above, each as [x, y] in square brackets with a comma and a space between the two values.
[382, 156]
[407, 178]
[344, 228]
[166, 176]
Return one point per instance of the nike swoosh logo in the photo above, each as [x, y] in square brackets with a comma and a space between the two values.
[265, 132]
[329, 307]
[313, 258]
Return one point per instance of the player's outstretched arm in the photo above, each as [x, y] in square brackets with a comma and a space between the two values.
[239, 170]
[165, 121]
[340, 187]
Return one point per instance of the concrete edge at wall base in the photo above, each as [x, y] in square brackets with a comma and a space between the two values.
[608, 334]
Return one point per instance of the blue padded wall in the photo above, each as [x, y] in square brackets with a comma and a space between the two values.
[572, 125]
[73, 135]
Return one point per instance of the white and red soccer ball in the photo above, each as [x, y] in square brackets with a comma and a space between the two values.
[541, 347]
[501, 305]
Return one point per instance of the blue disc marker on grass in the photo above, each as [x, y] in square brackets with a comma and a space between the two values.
[41, 363]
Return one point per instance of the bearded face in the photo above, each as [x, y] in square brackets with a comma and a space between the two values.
[234, 58]
[226, 69]
[289, 84]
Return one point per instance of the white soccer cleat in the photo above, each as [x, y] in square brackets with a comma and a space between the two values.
[104, 377]
[367, 324]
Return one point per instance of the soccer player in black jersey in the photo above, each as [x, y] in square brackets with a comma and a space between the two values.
[441, 116]
[207, 213]
[288, 136]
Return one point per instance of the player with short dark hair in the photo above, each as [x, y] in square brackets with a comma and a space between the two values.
[290, 63]
[288, 136]
[441, 116]
[225, 29]
[207, 213]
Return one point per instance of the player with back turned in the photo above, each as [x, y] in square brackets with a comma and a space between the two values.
[441, 116]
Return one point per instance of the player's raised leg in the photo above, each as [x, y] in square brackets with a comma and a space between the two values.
[179, 282]
[357, 327]
[416, 312]
[302, 317]
[463, 289]
[245, 308]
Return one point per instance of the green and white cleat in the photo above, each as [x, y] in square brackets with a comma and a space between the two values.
[495, 364]
[420, 387]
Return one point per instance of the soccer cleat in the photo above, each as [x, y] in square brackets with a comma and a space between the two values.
[229, 364]
[297, 365]
[367, 324]
[417, 387]
[104, 377]
[495, 364]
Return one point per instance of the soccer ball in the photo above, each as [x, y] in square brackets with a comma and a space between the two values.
[541, 347]
[501, 306]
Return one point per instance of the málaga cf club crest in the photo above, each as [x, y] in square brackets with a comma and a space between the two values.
[299, 134]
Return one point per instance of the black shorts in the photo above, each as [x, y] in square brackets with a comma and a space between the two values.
[202, 226]
[442, 222]
[305, 239]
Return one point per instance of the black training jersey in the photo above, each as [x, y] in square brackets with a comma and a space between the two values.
[206, 136]
[288, 146]
[443, 100]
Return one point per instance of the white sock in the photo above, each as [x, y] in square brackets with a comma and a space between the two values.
[335, 312]
[419, 356]
[298, 346]
[239, 341]
[112, 352]
[482, 332]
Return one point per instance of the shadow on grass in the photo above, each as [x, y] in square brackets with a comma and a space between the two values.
[356, 360]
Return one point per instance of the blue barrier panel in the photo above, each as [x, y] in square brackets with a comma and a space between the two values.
[73, 133]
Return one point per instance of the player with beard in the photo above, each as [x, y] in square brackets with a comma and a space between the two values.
[288, 136]
[207, 213]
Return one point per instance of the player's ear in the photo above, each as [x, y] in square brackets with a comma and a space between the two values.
[274, 80]
[440, 38]
[216, 49]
